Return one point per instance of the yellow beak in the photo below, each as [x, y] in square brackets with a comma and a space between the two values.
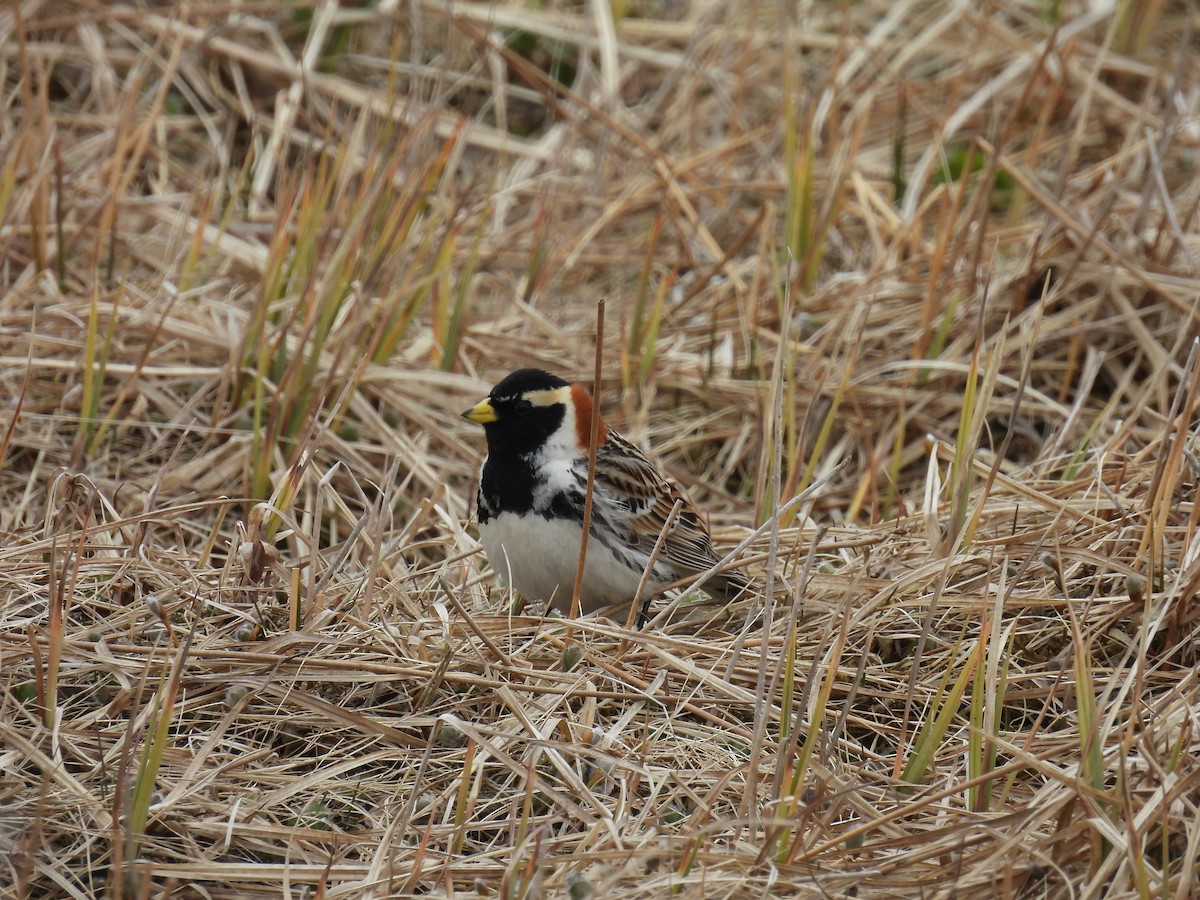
[482, 412]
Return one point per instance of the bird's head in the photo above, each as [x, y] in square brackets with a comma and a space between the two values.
[531, 410]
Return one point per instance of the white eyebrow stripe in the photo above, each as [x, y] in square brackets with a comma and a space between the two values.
[550, 397]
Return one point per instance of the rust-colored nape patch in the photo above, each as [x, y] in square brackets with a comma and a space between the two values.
[582, 401]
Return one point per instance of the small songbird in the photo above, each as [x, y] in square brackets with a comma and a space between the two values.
[532, 494]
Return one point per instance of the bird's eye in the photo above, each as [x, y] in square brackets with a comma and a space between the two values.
[524, 407]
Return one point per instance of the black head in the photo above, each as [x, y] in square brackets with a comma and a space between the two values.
[524, 381]
[522, 411]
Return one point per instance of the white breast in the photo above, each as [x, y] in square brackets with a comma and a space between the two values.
[537, 558]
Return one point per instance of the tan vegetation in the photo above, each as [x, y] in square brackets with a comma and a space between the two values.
[929, 267]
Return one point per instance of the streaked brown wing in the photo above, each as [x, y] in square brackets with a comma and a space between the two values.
[630, 479]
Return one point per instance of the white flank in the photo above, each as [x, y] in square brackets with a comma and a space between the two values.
[537, 558]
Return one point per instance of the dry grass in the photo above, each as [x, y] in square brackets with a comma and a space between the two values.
[930, 266]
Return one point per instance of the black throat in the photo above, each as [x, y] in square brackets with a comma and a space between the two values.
[507, 484]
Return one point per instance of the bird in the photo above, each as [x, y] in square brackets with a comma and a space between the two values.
[532, 490]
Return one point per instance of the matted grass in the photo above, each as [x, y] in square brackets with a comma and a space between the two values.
[928, 267]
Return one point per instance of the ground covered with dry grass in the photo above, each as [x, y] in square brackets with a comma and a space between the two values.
[903, 293]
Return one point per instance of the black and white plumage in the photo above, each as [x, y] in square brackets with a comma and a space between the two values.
[531, 502]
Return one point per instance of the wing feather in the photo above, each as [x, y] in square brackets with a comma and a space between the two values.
[631, 480]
